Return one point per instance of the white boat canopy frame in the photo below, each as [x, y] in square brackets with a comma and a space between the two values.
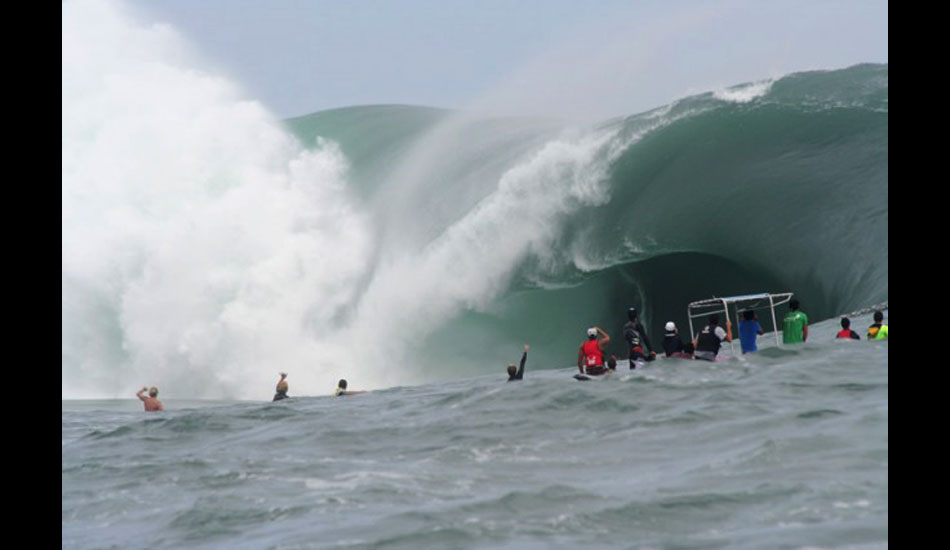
[749, 301]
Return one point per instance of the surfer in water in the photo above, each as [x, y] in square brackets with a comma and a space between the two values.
[709, 339]
[795, 324]
[749, 328]
[281, 388]
[636, 337]
[151, 402]
[846, 332]
[878, 331]
[518, 374]
[591, 352]
[671, 340]
[341, 389]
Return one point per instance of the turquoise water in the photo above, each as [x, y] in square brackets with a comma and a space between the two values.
[778, 187]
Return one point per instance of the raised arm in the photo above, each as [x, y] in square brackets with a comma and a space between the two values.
[643, 335]
[523, 359]
[140, 392]
[605, 338]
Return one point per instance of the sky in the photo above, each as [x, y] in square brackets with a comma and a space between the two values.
[561, 57]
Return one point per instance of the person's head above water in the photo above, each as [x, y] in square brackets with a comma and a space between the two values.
[341, 384]
[632, 314]
[878, 316]
[612, 362]
[845, 322]
[153, 392]
[591, 333]
[512, 370]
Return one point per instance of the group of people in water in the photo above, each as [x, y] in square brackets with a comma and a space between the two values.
[340, 390]
[592, 356]
[152, 403]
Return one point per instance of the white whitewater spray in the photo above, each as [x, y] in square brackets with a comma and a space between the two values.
[203, 247]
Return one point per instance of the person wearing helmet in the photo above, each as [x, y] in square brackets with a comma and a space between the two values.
[636, 337]
[519, 373]
[671, 340]
[591, 352]
[281, 388]
[151, 402]
[878, 331]
[749, 328]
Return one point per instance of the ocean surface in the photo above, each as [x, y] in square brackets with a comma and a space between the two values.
[786, 448]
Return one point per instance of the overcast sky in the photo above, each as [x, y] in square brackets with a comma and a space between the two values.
[564, 57]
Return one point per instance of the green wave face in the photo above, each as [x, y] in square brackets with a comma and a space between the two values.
[776, 186]
[206, 248]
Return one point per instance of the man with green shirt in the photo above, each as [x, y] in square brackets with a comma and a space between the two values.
[878, 331]
[795, 325]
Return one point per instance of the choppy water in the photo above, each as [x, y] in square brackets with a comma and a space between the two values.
[784, 449]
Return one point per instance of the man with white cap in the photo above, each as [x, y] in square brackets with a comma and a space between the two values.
[671, 340]
[591, 352]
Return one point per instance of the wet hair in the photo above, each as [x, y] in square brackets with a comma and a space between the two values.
[612, 362]
[748, 315]
[793, 304]
[713, 319]
[342, 383]
[845, 322]
[153, 391]
[878, 316]
[512, 370]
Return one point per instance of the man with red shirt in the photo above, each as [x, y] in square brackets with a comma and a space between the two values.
[591, 352]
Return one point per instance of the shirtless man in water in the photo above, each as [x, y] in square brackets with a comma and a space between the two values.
[151, 402]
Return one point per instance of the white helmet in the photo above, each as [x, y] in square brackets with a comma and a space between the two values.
[592, 332]
[670, 327]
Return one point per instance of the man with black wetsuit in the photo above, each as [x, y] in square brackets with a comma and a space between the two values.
[519, 375]
[636, 336]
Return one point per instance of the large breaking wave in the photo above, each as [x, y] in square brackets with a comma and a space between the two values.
[205, 247]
